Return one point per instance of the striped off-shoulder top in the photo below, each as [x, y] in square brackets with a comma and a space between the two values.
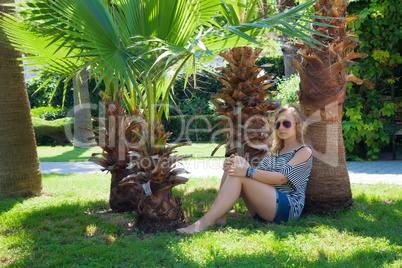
[298, 176]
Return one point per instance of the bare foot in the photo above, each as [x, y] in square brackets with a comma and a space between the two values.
[193, 228]
[201, 225]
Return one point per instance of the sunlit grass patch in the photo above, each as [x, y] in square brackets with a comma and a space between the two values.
[71, 225]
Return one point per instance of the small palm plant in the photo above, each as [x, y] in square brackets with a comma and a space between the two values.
[244, 105]
[142, 167]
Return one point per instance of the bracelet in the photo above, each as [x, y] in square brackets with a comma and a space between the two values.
[250, 172]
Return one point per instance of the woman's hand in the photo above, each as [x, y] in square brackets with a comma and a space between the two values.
[239, 167]
[229, 161]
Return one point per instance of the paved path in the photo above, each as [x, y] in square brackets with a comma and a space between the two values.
[359, 172]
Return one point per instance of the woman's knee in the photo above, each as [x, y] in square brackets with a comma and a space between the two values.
[234, 179]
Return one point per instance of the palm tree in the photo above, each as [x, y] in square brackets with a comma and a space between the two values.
[323, 81]
[20, 174]
[141, 165]
[244, 104]
[137, 48]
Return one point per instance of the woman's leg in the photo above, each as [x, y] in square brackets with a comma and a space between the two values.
[222, 220]
[259, 197]
[224, 177]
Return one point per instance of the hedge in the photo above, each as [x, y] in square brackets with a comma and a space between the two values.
[192, 128]
[51, 132]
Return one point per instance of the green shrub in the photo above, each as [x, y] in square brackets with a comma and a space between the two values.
[369, 118]
[192, 128]
[190, 100]
[49, 113]
[366, 126]
[44, 95]
[288, 89]
[279, 67]
[51, 132]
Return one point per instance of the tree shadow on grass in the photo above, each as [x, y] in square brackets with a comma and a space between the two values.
[82, 234]
[86, 233]
[379, 219]
[8, 204]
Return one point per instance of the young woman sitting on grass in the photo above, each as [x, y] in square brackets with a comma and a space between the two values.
[275, 190]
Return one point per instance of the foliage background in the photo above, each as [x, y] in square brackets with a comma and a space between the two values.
[48, 104]
[371, 113]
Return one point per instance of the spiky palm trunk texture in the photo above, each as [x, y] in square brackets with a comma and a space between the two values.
[20, 173]
[142, 168]
[114, 137]
[244, 104]
[322, 91]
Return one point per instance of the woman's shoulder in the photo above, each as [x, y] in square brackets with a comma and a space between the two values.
[302, 154]
[304, 149]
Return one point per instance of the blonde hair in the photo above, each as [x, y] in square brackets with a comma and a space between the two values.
[278, 143]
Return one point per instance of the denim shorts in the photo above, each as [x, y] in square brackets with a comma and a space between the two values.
[282, 209]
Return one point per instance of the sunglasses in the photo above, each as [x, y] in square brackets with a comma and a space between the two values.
[286, 124]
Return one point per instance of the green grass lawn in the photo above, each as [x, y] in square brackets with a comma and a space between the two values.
[70, 225]
[69, 153]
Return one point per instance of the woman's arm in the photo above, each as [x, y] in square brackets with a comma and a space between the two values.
[240, 166]
[269, 177]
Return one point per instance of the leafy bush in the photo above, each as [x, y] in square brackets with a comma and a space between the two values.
[192, 128]
[288, 89]
[49, 113]
[51, 132]
[190, 100]
[279, 67]
[44, 95]
[365, 134]
[195, 101]
[370, 117]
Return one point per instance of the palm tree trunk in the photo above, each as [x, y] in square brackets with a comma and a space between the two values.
[322, 91]
[264, 8]
[289, 50]
[20, 173]
[289, 53]
[82, 112]
[329, 187]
